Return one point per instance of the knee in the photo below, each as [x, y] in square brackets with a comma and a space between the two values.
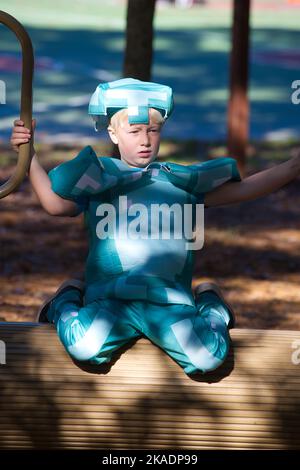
[84, 334]
[78, 354]
[72, 332]
[85, 356]
[204, 366]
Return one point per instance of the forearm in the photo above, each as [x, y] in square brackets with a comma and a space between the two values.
[40, 181]
[255, 186]
[270, 180]
[50, 201]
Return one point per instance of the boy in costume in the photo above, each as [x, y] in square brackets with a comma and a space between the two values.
[138, 280]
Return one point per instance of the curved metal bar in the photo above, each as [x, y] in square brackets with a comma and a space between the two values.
[26, 101]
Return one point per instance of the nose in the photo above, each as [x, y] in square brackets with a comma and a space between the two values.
[145, 139]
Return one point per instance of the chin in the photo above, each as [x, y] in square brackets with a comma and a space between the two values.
[141, 164]
[143, 161]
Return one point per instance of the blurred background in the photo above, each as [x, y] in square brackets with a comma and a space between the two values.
[78, 44]
[251, 249]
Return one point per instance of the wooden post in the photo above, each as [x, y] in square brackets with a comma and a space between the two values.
[238, 109]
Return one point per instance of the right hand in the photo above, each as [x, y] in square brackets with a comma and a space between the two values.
[21, 135]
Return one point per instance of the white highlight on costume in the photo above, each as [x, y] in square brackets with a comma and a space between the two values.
[94, 338]
[135, 98]
[86, 181]
[214, 179]
[67, 315]
[193, 347]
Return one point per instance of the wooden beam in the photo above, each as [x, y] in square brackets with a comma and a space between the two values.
[144, 400]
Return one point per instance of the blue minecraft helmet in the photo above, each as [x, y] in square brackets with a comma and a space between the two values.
[134, 95]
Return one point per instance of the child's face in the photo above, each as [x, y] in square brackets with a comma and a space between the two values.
[138, 143]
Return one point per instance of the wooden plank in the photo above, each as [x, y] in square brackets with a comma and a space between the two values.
[144, 399]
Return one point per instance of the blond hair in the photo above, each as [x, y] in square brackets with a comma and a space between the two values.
[120, 117]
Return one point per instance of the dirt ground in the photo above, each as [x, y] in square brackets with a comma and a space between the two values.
[252, 250]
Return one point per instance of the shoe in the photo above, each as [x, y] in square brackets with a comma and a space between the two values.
[207, 286]
[42, 313]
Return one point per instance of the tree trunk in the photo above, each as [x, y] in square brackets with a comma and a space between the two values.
[139, 44]
[238, 109]
[139, 38]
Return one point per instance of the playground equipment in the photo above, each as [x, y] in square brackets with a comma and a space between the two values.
[143, 400]
[26, 101]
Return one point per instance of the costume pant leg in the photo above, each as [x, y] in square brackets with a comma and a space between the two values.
[196, 338]
[94, 331]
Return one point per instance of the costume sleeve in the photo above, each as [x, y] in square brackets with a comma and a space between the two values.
[209, 175]
[78, 178]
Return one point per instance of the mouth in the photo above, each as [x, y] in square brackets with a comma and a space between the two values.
[145, 153]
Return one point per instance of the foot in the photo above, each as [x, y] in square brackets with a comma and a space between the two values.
[210, 286]
[42, 312]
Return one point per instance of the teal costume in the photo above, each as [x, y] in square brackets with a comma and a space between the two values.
[139, 287]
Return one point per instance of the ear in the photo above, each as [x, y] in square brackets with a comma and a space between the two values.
[112, 135]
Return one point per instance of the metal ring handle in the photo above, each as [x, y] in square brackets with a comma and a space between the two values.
[26, 101]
